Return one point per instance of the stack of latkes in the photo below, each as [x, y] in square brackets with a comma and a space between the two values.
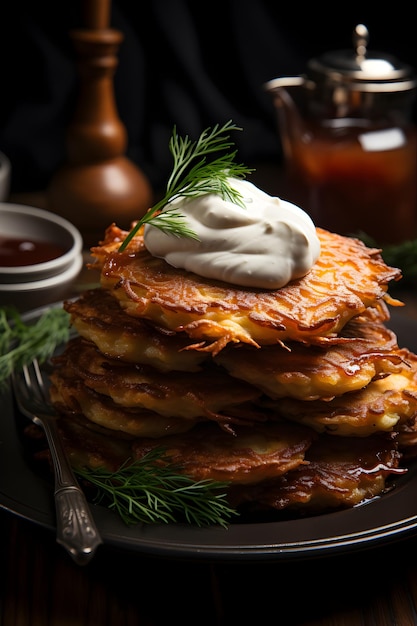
[300, 398]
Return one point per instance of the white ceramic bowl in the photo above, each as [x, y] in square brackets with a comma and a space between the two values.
[31, 286]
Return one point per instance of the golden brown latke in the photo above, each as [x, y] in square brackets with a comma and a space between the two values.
[249, 455]
[141, 401]
[205, 453]
[407, 438]
[205, 394]
[347, 278]
[270, 467]
[297, 370]
[380, 406]
[72, 398]
[339, 473]
[90, 445]
[313, 372]
[273, 468]
[98, 317]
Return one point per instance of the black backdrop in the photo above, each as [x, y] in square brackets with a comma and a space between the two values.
[190, 64]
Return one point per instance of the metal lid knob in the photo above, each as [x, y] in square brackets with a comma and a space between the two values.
[362, 70]
[360, 40]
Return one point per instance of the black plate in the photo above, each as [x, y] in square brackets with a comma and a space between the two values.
[390, 517]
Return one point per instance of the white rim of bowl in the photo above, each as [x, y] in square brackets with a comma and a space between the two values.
[71, 272]
[65, 258]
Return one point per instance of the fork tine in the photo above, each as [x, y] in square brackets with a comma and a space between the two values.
[39, 377]
[28, 381]
[32, 390]
[22, 384]
[25, 371]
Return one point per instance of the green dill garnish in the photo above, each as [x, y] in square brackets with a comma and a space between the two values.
[147, 491]
[21, 342]
[194, 176]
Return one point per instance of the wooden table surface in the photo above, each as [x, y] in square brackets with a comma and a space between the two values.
[41, 586]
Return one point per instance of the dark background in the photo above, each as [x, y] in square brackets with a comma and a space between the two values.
[190, 64]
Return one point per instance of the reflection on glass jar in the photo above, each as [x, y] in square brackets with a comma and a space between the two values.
[355, 178]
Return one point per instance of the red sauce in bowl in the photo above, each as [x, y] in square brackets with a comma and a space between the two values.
[16, 252]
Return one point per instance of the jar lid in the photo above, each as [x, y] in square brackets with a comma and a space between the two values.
[363, 70]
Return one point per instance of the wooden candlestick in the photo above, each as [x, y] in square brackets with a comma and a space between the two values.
[96, 13]
[98, 184]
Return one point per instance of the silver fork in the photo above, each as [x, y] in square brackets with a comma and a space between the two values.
[76, 528]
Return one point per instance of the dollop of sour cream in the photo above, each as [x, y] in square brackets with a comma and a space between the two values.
[265, 244]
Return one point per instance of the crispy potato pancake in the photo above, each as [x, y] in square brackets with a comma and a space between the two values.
[380, 406]
[90, 445]
[298, 371]
[205, 395]
[72, 398]
[204, 453]
[98, 317]
[318, 372]
[272, 467]
[347, 278]
[250, 455]
[407, 438]
[86, 443]
[340, 473]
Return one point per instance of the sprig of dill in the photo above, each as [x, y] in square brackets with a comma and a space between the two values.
[146, 491]
[192, 176]
[21, 342]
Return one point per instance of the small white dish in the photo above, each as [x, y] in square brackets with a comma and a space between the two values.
[29, 286]
[26, 296]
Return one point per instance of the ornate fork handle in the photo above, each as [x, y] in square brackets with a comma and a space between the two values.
[76, 528]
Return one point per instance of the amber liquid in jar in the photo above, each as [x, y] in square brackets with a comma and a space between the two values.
[355, 179]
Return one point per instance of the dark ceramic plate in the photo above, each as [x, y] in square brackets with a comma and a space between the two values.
[391, 517]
